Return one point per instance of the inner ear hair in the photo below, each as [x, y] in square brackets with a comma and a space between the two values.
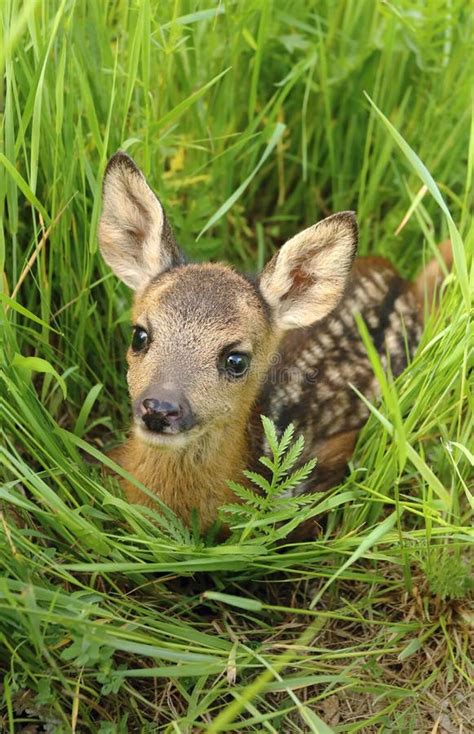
[135, 236]
[305, 280]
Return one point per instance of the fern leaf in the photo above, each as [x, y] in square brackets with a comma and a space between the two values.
[258, 480]
[292, 455]
[244, 493]
[232, 509]
[270, 435]
[286, 439]
[298, 476]
[268, 463]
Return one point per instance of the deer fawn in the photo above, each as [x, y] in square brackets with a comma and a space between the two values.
[212, 349]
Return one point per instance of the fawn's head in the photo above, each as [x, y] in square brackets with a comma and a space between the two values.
[203, 333]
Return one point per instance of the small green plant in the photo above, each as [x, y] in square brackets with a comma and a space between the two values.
[269, 509]
[448, 574]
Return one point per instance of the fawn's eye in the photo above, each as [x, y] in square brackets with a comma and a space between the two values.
[236, 364]
[140, 339]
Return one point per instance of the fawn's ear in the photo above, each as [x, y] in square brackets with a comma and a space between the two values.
[135, 237]
[306, 278]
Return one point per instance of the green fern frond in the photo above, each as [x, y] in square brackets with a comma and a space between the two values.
[292, 455]
[258, 480]
[286, 438]
[266, 512]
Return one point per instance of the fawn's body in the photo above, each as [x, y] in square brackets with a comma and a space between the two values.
[213, 350]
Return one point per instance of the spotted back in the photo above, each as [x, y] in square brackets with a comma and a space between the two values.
[309, 383]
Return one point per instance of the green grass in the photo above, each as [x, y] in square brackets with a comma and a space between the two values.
[251, 121]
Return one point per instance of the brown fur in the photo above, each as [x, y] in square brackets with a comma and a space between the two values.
[183, 481]
[304, 351]
[429, 281]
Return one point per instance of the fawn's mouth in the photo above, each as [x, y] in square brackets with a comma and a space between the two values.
[172, 439]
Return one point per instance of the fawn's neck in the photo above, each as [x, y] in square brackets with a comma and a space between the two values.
[192, 478]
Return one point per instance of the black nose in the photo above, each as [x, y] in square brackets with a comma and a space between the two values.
[163, 414]
[162, 407]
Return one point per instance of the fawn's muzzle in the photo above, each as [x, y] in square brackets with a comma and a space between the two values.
[166, 413]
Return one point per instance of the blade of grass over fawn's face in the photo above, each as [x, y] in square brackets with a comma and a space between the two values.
[250, 123]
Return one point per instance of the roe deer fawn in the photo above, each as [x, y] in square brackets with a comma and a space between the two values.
[205, 339]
